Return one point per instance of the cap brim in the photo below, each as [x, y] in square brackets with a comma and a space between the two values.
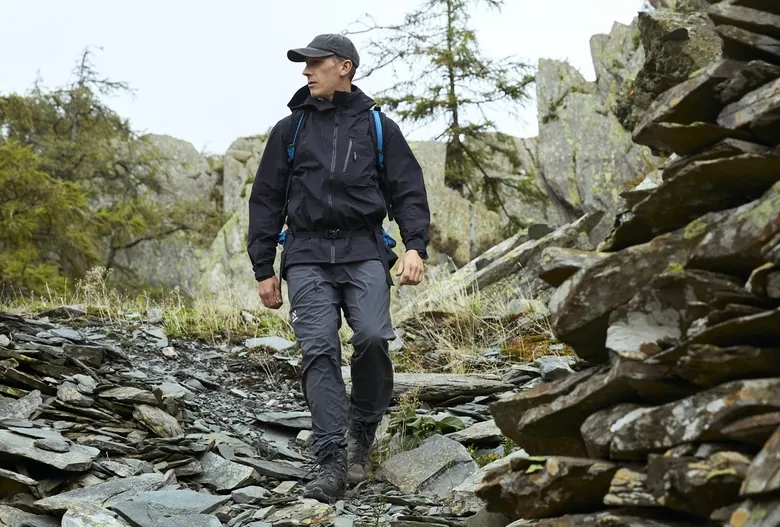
[301, 54]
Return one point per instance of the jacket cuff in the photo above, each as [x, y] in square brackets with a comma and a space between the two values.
[416, 244]
[264, 271]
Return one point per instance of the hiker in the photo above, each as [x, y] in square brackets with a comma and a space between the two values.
[331, 171]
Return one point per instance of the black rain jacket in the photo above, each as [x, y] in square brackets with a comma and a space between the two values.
[334, 186]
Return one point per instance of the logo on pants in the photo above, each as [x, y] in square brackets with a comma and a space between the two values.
[294, 316]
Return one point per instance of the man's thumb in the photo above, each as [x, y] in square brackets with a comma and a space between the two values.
[400, 270]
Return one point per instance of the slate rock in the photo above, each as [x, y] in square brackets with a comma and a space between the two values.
[479, 433]
[19, 478]
[21, 408]
[129, 394]
[438, 387]
[755, 74]
[102, 495]
[305, 512]
[274, 343]
[553, 368]
[160, 422]
[277, 469]
[597, 432]
[707, 365]
[757, 513]
[189, 520]
[621, 517]
[52, 445]
[757, 21]
[722, 149]
[628, 488]
[699, 417]
[755, 430]
[253, 494]
[13, 517]
[436, 466]
[78, 458]
[554, 428]
[701, 187]
[296, 420]
[510, 408]
[223, 475]
[69, 393]
[89, 355]
[690, 101]
[581, 306]
[758, 111]
[763, 474]
[559, 263]
[686, 139]
[145, 509]
[661, 314]
[734, 245]
[741, 44]
[542, 487]
[88, 515]
[696, 486]
[463, 500]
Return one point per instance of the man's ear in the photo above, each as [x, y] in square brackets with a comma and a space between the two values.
[346, 67]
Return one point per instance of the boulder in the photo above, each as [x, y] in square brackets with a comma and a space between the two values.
[577, 139]
[675, 45]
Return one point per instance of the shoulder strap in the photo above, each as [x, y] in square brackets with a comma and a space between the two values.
[291, 146]
[301, 117]
[379, 141]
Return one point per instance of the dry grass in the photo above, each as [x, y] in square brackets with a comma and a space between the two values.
[460, 323]
[198, 318]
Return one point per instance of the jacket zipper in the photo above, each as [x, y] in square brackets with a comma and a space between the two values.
[330, 182]
[346, 159]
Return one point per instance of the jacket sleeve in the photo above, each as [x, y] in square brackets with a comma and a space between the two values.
[406, 187]
[266, 203]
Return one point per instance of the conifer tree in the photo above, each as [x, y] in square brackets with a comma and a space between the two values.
[445, 79]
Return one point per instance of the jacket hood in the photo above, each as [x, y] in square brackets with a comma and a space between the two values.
[355, 100]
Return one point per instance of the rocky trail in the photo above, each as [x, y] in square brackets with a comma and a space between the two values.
[111, 424]
[669, 415]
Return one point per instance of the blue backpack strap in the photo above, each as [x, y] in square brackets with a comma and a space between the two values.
[380, 152]
[290, 158]
[379, 138]
[291, 146]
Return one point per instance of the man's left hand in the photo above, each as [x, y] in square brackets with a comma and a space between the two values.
[410, 268]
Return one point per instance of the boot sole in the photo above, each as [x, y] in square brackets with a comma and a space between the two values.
[320, 495]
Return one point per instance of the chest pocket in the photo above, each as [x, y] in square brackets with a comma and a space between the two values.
[358, 166]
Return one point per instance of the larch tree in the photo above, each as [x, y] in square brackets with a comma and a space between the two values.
[444, 78]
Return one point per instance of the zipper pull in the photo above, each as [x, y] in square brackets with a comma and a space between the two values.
[337, 120]
[354, 155]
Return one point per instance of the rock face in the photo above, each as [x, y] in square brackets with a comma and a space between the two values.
[580, 167]
[188, 177]
[675, 421]
[675, 45]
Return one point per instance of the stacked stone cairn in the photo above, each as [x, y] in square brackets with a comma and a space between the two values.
[676, 421]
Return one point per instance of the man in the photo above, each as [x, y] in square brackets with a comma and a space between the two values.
[333, 197]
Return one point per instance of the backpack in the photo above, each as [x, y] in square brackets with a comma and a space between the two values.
[378, 139]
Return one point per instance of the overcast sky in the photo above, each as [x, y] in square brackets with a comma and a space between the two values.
[211, 71]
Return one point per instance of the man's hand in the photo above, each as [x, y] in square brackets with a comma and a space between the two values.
[410, 268]
[270, 292]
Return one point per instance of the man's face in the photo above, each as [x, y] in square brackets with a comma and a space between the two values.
[326, 75]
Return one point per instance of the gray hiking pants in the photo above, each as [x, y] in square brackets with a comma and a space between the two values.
[317, 293]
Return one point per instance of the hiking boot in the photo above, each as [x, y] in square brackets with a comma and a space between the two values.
[360, 439]
[330, 483]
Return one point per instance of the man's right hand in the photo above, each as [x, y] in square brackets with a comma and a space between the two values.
[270, 292]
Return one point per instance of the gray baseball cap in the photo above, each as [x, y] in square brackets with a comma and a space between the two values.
[326, 45]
